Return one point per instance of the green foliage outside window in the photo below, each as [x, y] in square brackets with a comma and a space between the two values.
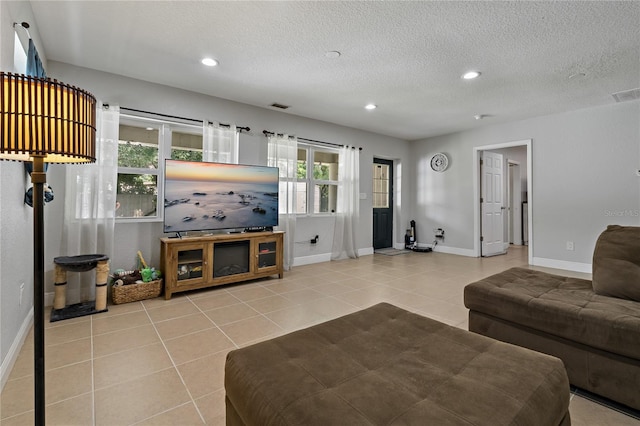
[187, 155]
[136, 184]
[137, 156]
[320, 171]
[141, 157]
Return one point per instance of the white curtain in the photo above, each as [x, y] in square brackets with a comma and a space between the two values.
[283, 153]
[90, 202]
[220, 144]
[348, 204]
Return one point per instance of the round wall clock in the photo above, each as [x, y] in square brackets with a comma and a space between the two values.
[439, 162]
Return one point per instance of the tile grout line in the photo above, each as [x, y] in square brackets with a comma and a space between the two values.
[166, 411]
[240, 301]
[213, 322]
[175, 367]
[260, 313]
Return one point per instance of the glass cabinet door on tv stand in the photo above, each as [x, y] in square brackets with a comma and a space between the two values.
[190, 263]
[268, 254]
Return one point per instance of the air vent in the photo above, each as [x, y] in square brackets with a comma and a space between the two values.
[627, 95]
[277, 105]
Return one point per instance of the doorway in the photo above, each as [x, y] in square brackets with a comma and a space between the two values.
[477, 189]
[514, 208]
[382, 203]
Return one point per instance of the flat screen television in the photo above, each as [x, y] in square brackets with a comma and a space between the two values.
[201, 196]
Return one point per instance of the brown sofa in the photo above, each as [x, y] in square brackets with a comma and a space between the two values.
[594, 327]
[387, 366]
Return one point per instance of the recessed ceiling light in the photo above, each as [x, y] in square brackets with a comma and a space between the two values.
[149, 128]
[471, 75]
[332, 54]
[371, 106]
[210, 62]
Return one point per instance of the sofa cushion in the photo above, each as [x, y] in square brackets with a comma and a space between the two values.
[616, 262]
[560, 306]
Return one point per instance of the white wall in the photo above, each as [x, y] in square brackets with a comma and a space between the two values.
[584, 165]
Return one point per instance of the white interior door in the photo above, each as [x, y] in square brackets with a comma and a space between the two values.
[491, 203]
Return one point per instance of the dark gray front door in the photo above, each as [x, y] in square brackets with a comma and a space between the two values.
[382, 203]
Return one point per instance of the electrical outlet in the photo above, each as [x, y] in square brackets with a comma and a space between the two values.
[570, 245]
[21, 291]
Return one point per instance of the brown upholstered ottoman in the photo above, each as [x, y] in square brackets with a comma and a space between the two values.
[386, 366]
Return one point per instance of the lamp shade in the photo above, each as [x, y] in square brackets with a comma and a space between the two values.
[45, 118]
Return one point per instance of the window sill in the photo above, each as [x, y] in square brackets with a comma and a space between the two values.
[138, 219]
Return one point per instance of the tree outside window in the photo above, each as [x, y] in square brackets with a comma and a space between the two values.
[138, 160]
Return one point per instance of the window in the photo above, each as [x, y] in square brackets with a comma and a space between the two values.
[380, 186]
[138, 168]
[317, 188]
[141, 154]
[186, 144]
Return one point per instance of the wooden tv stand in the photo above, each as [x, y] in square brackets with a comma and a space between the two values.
[198, 262]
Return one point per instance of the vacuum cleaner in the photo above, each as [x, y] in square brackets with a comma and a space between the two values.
[411, 240]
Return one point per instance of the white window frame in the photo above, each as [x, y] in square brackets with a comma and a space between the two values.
[311, 182]
[165, 129]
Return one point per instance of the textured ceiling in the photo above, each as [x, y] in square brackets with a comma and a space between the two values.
[406, 57]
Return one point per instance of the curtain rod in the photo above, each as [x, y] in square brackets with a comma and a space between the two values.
[267, 132]
[240, 128]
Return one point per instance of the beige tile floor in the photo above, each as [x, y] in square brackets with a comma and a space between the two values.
[161, 362]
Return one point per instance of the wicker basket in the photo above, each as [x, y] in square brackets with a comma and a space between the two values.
[134, 292]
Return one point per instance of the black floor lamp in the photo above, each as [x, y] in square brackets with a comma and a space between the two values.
[44, 121]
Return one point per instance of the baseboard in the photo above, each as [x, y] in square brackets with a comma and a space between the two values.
[366, 251]
[14, 350]
[48, 299]
[325, 257]
[451, 250]
[562, 264]
[308, 260]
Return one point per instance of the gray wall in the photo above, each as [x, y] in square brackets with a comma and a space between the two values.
[584, 165]
[16, 219]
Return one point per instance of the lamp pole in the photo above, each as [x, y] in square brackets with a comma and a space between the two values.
[38, 178]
